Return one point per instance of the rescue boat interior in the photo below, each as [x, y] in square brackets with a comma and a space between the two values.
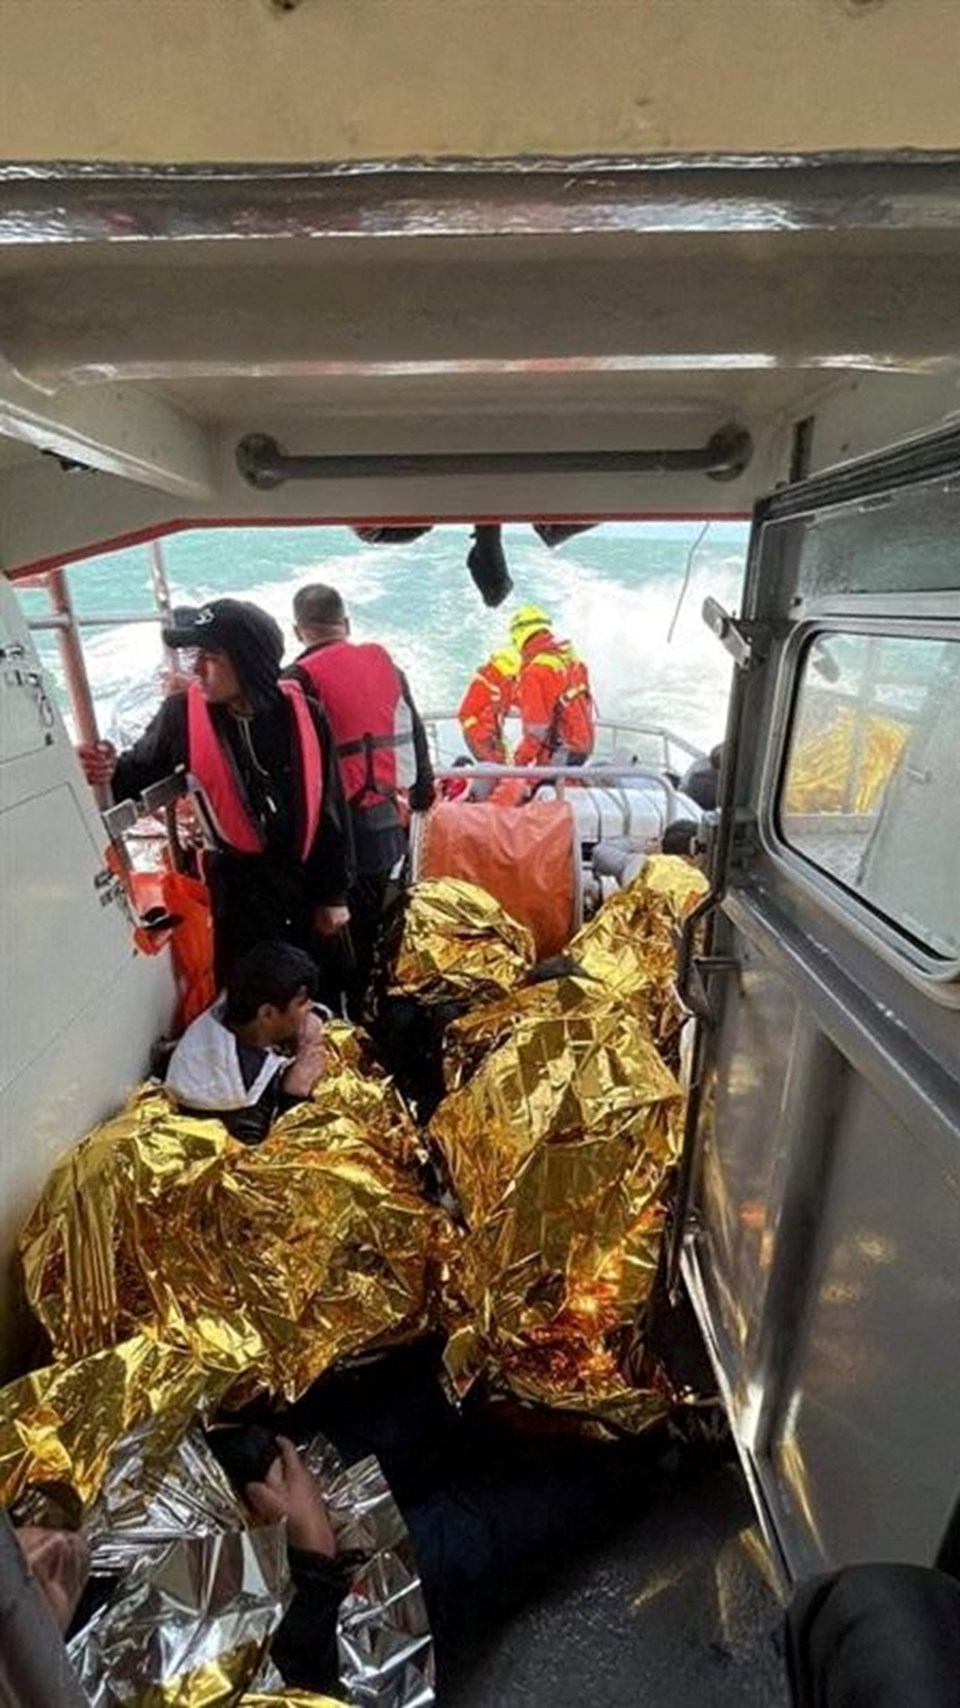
[445, 261]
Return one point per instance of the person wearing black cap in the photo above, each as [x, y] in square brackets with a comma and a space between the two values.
[260, 750]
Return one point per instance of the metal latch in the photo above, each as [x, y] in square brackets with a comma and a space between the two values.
[695, 995]
[15, 676]
[745, 640]
[109, 888]
[744, 838]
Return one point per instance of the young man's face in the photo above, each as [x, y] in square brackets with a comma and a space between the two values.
[282, 1025]
[217, 677]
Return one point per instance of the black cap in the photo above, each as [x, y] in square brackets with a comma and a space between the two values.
[251, 639]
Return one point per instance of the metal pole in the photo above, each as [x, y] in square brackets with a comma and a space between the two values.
[102, 620]
[75, 669]
[34, 1669]
[71, 654]
[161, 594]
[705, 910]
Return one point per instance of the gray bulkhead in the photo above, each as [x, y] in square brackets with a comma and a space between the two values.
[822, 1243]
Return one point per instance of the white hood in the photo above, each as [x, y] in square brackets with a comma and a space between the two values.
[205, 1070]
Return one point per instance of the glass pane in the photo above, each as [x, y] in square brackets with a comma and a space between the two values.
[871, 791]
[904, 542]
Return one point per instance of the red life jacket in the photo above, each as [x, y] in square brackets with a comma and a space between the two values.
[210, 764]
[360, 690]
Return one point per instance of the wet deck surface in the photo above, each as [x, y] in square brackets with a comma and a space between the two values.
[673, 1611]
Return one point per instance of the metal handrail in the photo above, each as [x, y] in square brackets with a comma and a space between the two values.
[106, 620]
[583, 776]
[616, 727]
[64, 622]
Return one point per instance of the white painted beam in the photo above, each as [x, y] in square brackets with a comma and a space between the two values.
[119, 430]
[680, 305]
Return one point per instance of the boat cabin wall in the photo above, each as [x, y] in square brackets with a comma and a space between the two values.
[308, 80]
[79, 1008]
[50, 515]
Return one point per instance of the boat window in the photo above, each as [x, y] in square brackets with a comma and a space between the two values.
[901, 541]
[871, 787]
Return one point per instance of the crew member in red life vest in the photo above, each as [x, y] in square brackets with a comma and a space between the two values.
[380, 741]
[260, 749]
[553, 695]
[487, 704]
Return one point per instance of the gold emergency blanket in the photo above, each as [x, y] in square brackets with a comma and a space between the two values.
[471, 1037]
[558, 1149]
[61, 1428]
[269, 1262]
[630, 947]
[455, 941]
[356, 1100]
[846, 767]
[292, 1698]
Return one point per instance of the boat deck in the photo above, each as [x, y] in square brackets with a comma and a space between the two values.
[674, 1611]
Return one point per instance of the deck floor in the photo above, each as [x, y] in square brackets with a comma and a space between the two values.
[674, 1611]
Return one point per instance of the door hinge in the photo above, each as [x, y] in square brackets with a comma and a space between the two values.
[745, 640]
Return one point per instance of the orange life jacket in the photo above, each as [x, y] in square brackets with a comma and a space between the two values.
[186, 902]
[486, 704]
[360, 689]
[556, 702]
[210, 764]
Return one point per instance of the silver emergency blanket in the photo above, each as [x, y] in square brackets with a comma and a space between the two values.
[189, 1624]
[384, 1645]
[141, 1511]
[201, 1594]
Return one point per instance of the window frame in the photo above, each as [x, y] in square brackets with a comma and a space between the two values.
[894, 616]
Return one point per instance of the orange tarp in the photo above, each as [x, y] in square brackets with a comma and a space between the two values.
[523, 856]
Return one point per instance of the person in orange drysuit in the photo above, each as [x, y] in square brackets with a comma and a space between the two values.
[553, 695]
[486, 704]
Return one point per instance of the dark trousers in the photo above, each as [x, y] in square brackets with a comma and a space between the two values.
[255, 897]
[883, 1636]
[345, 962]
[490, 1512]
[366, 901]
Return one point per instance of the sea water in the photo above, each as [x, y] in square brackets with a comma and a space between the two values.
[615, 593]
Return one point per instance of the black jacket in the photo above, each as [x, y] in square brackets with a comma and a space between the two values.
[270, 784]
[305, 1647]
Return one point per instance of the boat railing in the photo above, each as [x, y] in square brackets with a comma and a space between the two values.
[601, 776]
[67, 624]
[615, 737]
